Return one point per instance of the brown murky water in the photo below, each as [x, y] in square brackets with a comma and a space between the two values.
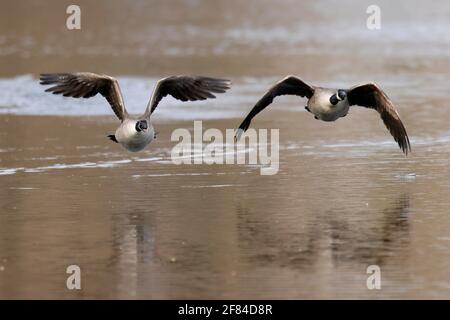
[141, 227]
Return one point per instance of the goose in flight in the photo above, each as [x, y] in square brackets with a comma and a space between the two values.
[331, 104]
[134, 132]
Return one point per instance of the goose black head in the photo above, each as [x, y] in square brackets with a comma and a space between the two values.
[141, 125]
[334, 99]
[339, 96]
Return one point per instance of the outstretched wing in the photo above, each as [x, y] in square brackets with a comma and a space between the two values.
[186, 88]
[371, 96]
[86, 85]
[288, 86]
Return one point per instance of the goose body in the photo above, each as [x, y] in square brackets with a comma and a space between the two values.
[134, 132]
[319, 104]
[329, 104]
[132, 139]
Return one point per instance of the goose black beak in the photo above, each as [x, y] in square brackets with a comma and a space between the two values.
[342, 94]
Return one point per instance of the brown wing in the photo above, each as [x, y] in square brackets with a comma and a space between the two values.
[288, 86]
[186, 88]
[371, 96]
[86, 85]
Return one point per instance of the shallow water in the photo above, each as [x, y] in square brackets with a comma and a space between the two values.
[140, 226]
[344, 198]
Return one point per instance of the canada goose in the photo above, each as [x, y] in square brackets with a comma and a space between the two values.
[134, 132]
[331, 104]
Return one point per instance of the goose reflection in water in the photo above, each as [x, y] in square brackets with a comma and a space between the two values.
[366, 237]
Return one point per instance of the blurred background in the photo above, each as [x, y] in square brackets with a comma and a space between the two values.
[237, 38]
[141, 227]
